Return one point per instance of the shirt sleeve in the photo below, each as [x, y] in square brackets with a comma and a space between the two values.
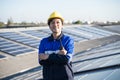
[63, 59]
[41, 47]
[40, 51]
[70, 49]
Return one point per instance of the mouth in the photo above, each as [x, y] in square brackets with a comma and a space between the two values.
[55, 30]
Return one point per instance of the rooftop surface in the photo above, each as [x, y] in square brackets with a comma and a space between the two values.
[96, 57]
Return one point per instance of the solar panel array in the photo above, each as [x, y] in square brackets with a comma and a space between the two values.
[99, 58]
[98, 63]
[32, 38]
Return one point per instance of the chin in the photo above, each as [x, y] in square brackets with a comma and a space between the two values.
[55, 31]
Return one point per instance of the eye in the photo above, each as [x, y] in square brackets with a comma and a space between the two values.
[58, 22]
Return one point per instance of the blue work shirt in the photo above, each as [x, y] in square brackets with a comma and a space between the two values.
[50, 45]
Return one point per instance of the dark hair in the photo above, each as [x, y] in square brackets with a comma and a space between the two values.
[54, 18]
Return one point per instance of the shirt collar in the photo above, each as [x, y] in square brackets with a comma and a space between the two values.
[51, 38]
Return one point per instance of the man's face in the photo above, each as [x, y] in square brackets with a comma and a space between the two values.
[56, 25]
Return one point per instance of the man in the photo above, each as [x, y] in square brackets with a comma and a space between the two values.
[55, 51]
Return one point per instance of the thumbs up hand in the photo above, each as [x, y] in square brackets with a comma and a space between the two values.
[62, 51]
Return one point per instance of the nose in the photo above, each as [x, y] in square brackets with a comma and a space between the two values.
[55, 24]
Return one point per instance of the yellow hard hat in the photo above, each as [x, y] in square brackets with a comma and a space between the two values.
[55, 14]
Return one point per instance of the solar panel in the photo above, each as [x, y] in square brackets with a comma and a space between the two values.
[20, 38]
[75, 33]
[36, 33]
[13, 48]
[26, 50]
[100, 75]
[76, 37]
[115, 75]
[98, 57]
[98, 31]
[79, 66]
[81, 33]
[105, 49]
[88, 32]
[45, 31]
[113, 60]
[112, 45]
[8, 46]
[97, 63]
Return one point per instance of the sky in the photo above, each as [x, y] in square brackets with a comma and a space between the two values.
[71, 10]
